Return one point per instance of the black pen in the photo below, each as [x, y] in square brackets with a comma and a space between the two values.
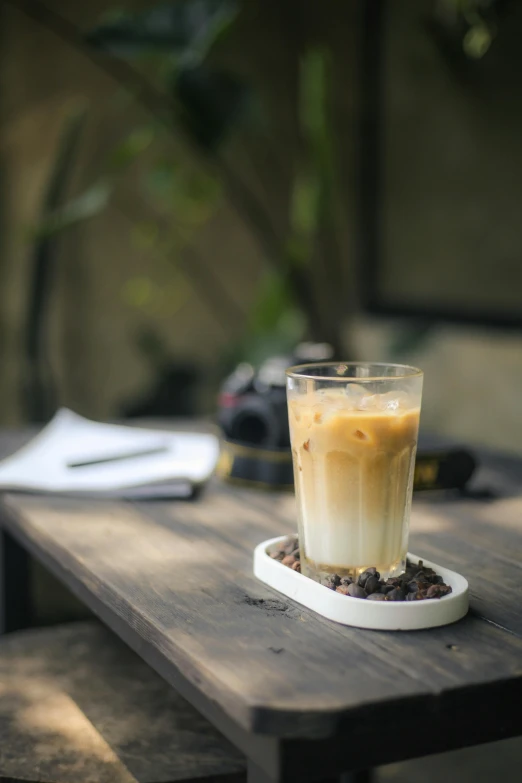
[118, 457]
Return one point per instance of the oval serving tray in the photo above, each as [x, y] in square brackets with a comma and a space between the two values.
[382, 615]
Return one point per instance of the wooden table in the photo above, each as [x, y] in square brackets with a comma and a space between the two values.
[303, 698]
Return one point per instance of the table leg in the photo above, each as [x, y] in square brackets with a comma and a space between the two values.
[15, 587]
[257, 775]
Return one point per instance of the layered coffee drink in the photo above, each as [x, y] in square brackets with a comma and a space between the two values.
[354, 453]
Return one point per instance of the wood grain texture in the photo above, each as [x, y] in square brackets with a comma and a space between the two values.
[175, 580]
[180, 575]
[77, 706]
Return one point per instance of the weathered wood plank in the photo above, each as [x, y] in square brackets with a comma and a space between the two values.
[191, 593]
[469, 546]
[174, 580]
[180, 575]
[77, 706]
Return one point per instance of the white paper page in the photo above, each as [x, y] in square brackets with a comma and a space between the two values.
[69, 438]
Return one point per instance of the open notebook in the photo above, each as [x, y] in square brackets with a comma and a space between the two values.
[76, 456]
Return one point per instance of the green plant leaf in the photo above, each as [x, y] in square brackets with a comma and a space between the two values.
[153, 297]
[304, 215]
[274, 311]
[187, 27]
[129, 148]
[145, 235]
[313, 181]
[313, 108]
[477, 41]
[190, 194]
[90, 203]
[39, 385]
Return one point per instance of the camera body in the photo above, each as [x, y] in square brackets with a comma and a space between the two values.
[252, 405]
[253, 416]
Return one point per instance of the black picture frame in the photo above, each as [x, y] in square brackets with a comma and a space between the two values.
[371, 197]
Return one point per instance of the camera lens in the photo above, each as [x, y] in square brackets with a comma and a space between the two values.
[255, 421]
[250, 427]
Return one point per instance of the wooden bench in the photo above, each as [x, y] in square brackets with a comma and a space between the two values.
[77, 706]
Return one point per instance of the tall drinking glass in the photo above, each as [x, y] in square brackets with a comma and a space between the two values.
[353, 430]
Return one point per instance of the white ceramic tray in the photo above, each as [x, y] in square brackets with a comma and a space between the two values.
[383, 615]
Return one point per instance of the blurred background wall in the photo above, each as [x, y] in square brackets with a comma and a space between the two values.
[159, 282]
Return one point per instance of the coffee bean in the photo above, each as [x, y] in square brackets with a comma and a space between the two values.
[363, 578]
[372, 585]
[332, 581]
[289, 545]
[417, 583]
[437, 591]
[356, 591]
[395, 595]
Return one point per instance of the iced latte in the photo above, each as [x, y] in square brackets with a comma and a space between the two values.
[353, 441]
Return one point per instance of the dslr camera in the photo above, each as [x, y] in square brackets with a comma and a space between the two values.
[253, 417]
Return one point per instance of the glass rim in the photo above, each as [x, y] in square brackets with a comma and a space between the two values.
[298, 371]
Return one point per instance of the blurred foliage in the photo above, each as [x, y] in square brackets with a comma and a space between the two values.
[178, 36]
[38, 392]
[190, 195]
[312, 184]
[185, 28]
[164, 57]
[87, 205]
[470, 26]
[134, 144]
[212, 101]
[149, 296]
[274, 325]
